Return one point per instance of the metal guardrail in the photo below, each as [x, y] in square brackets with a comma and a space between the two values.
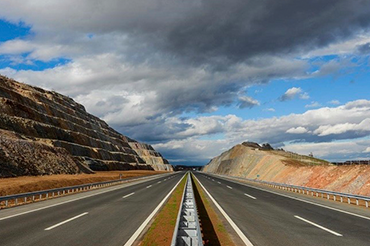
[187, 231]
[46, 194]
[314, 192]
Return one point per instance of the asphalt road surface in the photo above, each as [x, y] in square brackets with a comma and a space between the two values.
[108, 216]
[267, 219]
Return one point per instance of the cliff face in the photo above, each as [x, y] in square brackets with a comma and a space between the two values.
[38, 125]
[284, 167]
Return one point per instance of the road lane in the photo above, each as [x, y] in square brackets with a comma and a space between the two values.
[270, 219]
[109, 219]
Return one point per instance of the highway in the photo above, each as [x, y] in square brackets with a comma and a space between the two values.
[108, 216]
[267, 218]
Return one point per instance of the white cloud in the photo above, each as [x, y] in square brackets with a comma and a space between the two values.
[313, 104]
[247, 102]
[297, 130]
[294, 92]
[269, 109]
[334, 102]
[367, 150]
[325, 130]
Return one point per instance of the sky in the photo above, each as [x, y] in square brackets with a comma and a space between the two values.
[194, 78]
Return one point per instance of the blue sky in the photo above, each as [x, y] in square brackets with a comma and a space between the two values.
[261, 73]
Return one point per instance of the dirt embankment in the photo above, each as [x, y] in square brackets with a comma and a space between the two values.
[64, 134]
[9, 186]
[283, 167]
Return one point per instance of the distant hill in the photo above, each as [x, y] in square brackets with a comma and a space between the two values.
[250, 160]
[43, 132]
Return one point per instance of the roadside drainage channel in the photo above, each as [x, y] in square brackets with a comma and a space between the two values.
[187, 231]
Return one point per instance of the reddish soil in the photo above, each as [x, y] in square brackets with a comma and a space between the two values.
[10, 186]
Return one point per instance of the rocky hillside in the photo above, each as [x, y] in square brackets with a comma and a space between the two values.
[43, 132]
[253, 161]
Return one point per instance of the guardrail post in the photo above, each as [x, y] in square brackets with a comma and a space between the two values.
[16, 201]
[33, 198]
[341, 199]
[367, 204]
[334, 197]
[40, 196]
[357, 202]
[327, 196]
[349, 200]
[25, 199]
[6, 203]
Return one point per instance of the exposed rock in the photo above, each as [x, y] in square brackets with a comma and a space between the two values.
[245, 160]
[63, 134]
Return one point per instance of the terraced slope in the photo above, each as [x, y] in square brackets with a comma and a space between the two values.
[60, 128]
[254, 162]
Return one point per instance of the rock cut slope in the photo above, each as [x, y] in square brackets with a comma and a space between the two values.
[44, 132]
[252, 161]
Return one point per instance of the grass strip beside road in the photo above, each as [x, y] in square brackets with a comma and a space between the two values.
[213, 228]
[161, 230]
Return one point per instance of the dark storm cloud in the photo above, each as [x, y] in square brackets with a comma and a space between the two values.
[221, 32]
[364, 49]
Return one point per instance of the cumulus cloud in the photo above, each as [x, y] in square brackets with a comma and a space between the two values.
[297, 130]
[247, 102]
[313, 104]
[269, 109]
[325, 125]
[293, 93]
[367, 150]
[139, 65]
[334, 102]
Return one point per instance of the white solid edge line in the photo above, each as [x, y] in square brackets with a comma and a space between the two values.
[145, 223]
[72, 200]
[299, 199]
[250, 196]
[231, 222]
[66, 221]
[319, 226]
[229, 187]
[129, 195]
[149, 186]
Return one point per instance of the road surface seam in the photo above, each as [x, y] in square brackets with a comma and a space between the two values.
[66, 221]
[150, 217]
[301, 200]
[231, 222]
[319, 226]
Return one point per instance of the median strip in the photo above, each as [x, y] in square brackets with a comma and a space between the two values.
[66, 221]
[161, 229]
[319, 226]
[151, 216]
